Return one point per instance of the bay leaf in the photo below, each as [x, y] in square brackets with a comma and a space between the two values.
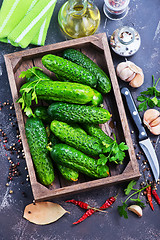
[43, 213]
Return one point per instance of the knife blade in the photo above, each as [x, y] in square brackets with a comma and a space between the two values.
[144, 141]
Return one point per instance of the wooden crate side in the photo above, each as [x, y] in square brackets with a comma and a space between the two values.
[120, 105]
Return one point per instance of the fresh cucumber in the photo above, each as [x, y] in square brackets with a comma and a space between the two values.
[69, 70]
[70, 157]
[37, 141]
[61, 91]
[68, 173]
[104, 83]
[82, 142]
[67, 112]
[42, 113]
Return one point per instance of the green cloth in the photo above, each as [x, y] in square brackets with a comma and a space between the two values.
[25, 21]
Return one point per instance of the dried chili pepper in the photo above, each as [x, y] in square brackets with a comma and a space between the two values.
[89, 212]
[79, 203]
[157, 198]
[149, 197]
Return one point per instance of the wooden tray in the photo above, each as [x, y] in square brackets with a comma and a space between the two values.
[96, 47]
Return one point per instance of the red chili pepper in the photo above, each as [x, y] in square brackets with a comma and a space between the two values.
[89, 212]
[149, 197]
[157, 198]
[79, 203]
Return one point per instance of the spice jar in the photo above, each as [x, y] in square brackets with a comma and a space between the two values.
[125, 41]
[115, 9]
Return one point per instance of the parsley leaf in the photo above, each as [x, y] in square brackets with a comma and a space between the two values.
[129, 187]
[122, 210]
[149, 97]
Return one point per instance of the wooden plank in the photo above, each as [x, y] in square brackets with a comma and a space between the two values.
[19, 61]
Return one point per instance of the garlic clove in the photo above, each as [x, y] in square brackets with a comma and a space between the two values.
[150, 115]
[152, 120]
[155, 122]
[120, 67]
[136, 209]
[155, 130]
[137, 81]
[131, 77]
[125, 73]
[134, 68]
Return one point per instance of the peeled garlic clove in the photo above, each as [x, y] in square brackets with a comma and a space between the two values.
[137, 81]
[120, 67]
[155, 130]
[136, 209]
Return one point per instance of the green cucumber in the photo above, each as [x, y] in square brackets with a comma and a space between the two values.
[72, 158]
[97, 99]
[67, 112]
[41, 112]
[104, 83]
[61, 91]
[68, 173]
[37, 141]
[82, 142]
[69, 70]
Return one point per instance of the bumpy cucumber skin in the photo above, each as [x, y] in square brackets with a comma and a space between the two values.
[40, 74]
[68, 173]
[82, 142]
[97, 98]
[75, 159]
[67, 112]
[67, 69]
[96, 131]
[104, 83]
[37, 141]
[62, 91]
[41, 112]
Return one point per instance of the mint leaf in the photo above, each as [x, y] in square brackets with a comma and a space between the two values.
[122, 210]
[129, 187]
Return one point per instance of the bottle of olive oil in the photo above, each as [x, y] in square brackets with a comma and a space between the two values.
[78, 18]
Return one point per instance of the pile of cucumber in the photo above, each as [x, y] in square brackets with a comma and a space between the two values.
[67, 131]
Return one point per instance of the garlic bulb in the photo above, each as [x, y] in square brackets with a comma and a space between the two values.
[151, 119]
[136, 209]
[131, 73]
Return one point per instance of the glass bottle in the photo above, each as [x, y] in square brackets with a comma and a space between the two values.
[78, 18]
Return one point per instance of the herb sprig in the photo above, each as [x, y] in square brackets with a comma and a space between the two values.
[149, 98]
[115, 150]
[29, 92]
[122, 209]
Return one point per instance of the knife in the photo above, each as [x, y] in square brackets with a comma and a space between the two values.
[144, 141]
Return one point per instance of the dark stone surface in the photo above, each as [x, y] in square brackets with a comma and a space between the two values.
[144, 17]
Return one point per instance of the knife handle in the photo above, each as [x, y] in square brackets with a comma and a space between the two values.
[134, 113]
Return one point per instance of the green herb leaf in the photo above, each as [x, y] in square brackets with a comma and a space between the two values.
[158, 104]
[123, 146]
[142, 106]
[102, 160]
[151, 104]
[29, 112]
[122, 210]
[129, 187]
[29, 73]
[138, 202]
[141, 98]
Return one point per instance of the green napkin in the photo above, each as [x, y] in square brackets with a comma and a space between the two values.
[25, 21]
